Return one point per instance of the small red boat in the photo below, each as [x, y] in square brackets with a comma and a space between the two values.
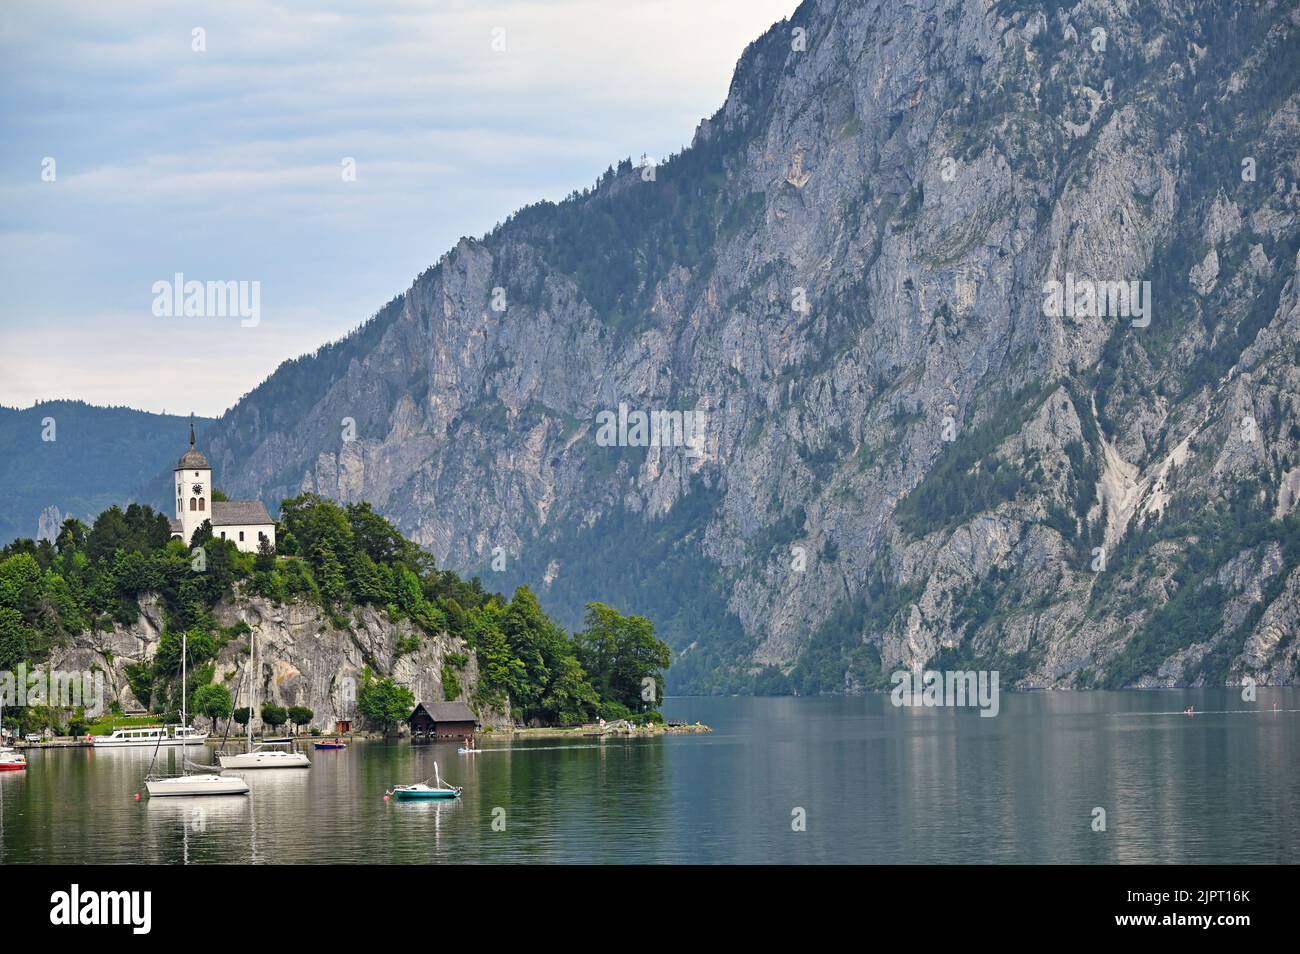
[11, 761]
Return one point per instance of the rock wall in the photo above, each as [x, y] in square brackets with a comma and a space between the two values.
[846, 273]
[302, 658]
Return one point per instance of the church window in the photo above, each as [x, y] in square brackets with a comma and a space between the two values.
[201, 503]
[223, 534]
[241, 536]
[194, 504]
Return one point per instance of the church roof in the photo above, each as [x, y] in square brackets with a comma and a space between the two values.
[226, 513]
[192, 460]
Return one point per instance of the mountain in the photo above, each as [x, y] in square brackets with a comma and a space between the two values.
[69, 458]
[937, 427]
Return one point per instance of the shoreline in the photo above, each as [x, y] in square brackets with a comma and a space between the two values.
[613, 730]
[489, 734]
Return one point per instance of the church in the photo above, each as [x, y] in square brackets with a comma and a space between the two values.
[245, 522]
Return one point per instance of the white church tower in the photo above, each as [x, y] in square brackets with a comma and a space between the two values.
[245, 523]
[193, 490]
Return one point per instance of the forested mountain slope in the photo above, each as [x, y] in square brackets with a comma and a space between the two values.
[915, 451]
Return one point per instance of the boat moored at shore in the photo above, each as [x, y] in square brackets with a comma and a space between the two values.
[264, 757]
[11, 761]
[151, 735]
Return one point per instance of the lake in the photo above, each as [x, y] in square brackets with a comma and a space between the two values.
[871, 783]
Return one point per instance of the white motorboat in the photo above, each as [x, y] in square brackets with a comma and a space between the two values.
[206, 784]
[264, 757]
[151, 735]
[11, 761]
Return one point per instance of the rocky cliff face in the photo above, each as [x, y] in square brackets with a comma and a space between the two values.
[301, 658]
[916, 449]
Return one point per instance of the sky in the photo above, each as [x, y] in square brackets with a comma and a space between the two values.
[147, 139]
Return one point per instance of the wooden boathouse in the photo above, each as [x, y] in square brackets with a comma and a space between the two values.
[441, 720]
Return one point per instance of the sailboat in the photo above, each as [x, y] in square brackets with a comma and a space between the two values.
[262, 756]
[423, 790]
[206, 783]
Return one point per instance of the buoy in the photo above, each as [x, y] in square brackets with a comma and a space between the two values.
[385, 798]
[137, 796]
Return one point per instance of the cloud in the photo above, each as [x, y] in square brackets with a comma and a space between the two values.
[225, 164]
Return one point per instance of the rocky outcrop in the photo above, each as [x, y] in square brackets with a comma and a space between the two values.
[302, 658]
[909, 450]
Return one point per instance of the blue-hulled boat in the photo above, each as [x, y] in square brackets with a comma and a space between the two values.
[423, 790]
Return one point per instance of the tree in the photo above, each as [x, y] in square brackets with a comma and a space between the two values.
[273, 715]
[202, 534]
[264, 562]
[383, 701]
[16, 638]
[242, 715]
[213, 701]
[623, 658]
[301, 715]
[329, 576]
[553, 686]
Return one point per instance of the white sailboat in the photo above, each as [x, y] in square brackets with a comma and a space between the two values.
[207, 783]
[264, 755]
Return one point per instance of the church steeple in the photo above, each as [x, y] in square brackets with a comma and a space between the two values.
[191, 429]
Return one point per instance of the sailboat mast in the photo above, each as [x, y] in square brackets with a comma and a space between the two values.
[252, 689]
[184, 653]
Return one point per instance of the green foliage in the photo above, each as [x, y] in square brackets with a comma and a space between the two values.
[450, 684]
[623, 657]
[969, 477]
[301, 715]
[273, 715]
[1195, 611]
[338, 557]
[843, 653]
[212, 701]
[383, 701]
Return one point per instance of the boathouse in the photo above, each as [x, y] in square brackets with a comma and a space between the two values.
[441, 720]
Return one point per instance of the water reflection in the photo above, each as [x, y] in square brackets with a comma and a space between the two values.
[873, 782]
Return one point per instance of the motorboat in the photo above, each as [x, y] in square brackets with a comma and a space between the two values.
[12, 761]
[330, 744]
[150, 735]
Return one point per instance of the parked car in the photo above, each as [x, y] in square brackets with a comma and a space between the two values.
[32, 737]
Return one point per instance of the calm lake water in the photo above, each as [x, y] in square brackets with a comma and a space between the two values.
[877, 784]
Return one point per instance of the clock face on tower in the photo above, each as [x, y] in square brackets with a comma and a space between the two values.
[197, 488]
